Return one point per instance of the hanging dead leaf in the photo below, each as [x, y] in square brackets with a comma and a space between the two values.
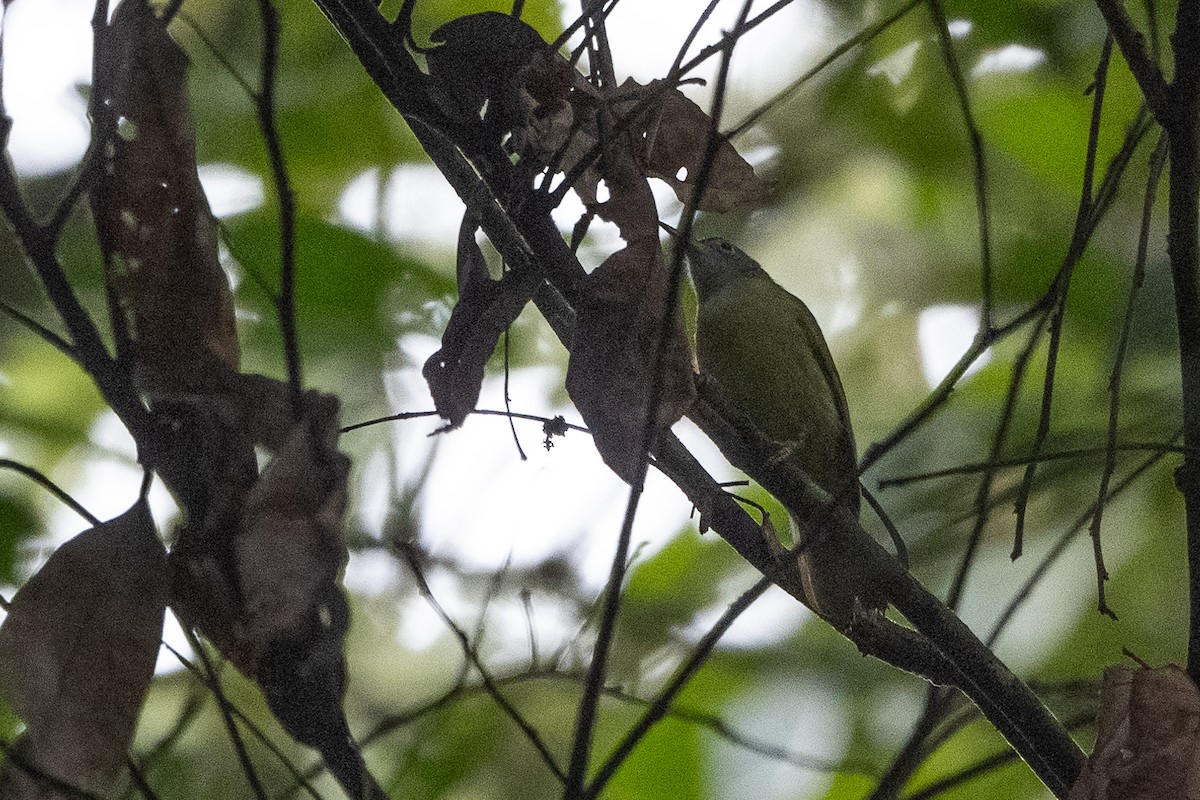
[498, 61]
[77, 653]
[484, 311]
[155, 227]
[672, 136]
[289, 554]
[631, 207]
[611, 374]
[1148, 738]
[266, 593]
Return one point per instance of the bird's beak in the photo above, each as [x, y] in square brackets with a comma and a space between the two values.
[690, 246]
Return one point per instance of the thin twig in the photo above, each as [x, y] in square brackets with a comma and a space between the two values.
[585, 722]
[983, 493]
[483, 412]
[941, 393]
[188, 714]
[864, 36]
[211, 681]
[978, 157]
[915, 748]
[472, 656]
[508, 398]
[988, 764]
[218, 54]
[1043, 567]
[555, 197]
[14, 757]
[1146, 72]
[683, 675]
[711, 722]
[692, 34]
[889, 526]
[227, 713]
[1079, 238]
[1020, 461]
[138, 779]
[1114, 381]
[40, 478]
[285, 301]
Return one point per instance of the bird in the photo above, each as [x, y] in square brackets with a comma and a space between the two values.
[762, 347]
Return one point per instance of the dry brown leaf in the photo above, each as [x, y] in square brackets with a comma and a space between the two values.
[622, 316]
[610, 375]
[266, 593]
[1148, 738]
[484, 311]
[498, 60]
[672, 135]
[77, 653]
[289, 554]
[155, 227]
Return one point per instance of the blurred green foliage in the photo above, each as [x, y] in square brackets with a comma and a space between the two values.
[874, 211]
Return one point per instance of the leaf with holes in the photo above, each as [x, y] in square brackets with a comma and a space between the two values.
[77, 653]
[156, 231]
[673, 134]
[497, 65]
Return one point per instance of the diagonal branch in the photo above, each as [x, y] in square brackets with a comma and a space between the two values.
[1133, 46]
[942, 646]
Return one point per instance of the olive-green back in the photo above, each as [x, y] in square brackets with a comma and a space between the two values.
[763, 347]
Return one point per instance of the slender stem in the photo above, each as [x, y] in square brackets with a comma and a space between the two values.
[1020, 461]
[978, 158]
[1133, 47]
[1079, 238]
[1039, 573]
[472, 657]
[588, 706]
[1183, 144]
[1114, 381]
[47, 335]
[39, 478]
[683, 675]
[227, 714]
[909, 757]
[862, 37]
[285, 301]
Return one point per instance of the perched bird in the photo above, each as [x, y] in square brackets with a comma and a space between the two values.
[763, 348]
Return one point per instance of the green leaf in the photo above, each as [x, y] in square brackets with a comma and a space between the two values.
[351, 292]
[17, 523]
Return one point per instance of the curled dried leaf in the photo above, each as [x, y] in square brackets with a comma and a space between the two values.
[672, 136]
[1148, 738]
[77, 653]
[498, 61]
[484, 311]
[157, 233]
[263, 586]
[289, 553]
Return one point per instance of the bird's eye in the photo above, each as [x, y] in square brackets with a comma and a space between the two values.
[726, 247]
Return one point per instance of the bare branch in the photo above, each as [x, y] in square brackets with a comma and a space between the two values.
[1133, 47]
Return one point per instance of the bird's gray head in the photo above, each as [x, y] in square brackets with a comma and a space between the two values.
[715, 262]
